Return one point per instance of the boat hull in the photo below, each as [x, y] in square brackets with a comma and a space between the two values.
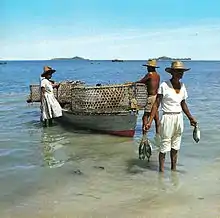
[120, 124]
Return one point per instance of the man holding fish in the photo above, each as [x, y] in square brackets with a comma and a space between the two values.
[172, 96]
[152, 81]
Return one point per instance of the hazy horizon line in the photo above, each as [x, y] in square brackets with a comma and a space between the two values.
[69, 59]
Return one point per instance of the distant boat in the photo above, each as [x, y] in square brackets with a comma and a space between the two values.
[117, 60]
[3, 62]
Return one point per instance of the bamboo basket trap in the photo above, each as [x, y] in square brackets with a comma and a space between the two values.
[102, 99]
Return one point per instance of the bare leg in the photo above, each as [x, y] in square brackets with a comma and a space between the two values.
[157, 122]
[145, 119]
[50, 122]
[161, 161]
[44, 123]
[173, 157]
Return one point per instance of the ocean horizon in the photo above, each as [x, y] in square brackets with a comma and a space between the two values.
[69, 59]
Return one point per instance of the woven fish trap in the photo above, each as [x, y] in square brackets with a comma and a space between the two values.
[78, 97]
[34, 95]
[106, 98]
[62, 94]
[141, 95]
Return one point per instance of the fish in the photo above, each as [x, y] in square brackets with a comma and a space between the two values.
[196, 133]
[148, 150]
[145, 149]
[142, 150]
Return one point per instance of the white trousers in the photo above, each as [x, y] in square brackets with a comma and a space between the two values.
[171, 132]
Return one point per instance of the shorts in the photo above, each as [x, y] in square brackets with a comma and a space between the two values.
[171, 130]
[150, 102]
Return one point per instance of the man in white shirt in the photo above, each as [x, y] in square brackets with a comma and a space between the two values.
[172, 96]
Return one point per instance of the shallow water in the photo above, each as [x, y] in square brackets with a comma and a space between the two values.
[55, 172]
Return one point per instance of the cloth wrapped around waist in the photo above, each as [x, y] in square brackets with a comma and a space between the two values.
[150, 102]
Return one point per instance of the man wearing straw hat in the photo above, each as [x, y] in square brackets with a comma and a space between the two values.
[152, 81]
[50, 108]
[172, 96]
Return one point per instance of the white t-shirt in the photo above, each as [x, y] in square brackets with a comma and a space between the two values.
[47, 85]
[171, 100]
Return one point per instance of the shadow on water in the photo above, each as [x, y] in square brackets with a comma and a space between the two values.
[33, 123]
[38, 124]
[135, 166]
[168, 181]
[70, 128]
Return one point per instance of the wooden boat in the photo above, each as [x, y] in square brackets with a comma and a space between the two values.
[111, 109]
[120, 124]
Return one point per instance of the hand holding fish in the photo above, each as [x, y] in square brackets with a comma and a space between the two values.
[196, 133]
[146, 126]
[145, 149]
[193, 121]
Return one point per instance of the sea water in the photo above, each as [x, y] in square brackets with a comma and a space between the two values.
[57, 172]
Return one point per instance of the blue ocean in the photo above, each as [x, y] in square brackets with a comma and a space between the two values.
[52, 172]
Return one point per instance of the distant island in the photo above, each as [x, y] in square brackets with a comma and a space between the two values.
[162, 58]
[165, 58]
[74, 58]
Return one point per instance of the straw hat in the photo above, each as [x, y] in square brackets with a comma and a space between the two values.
[151, 63]
[48, 70]
[176, 65]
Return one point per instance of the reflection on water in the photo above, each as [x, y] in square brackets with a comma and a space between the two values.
[170, 182]
[49, 158]
[53, 148]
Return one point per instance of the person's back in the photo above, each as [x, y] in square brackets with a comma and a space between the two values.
[152, 81]
[152, 78]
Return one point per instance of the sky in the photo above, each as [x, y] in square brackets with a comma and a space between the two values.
[101, 29]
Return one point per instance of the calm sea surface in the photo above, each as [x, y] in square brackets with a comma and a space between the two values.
[52, 172]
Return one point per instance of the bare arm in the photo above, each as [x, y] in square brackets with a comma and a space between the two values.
[143, 80]
[187, 112]
[154, 109]
[56, 85]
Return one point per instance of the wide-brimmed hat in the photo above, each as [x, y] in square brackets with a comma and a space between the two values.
[48, 70]
[176, 65]
[151, 63]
